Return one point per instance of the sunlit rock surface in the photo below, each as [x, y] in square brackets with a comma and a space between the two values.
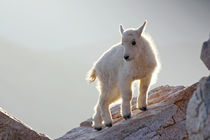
[205, 53]
[198, 112]
[164, 119]
[13, 129]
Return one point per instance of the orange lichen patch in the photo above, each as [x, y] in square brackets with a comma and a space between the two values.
[117, 120]
[116, 115]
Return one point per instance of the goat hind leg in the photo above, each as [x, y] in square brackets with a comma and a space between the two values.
[97, 119]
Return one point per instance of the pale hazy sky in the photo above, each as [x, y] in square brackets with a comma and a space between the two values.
[47, 46]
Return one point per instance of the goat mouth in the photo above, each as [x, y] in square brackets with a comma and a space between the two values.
[127, 60]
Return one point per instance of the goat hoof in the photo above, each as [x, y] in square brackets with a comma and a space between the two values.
[109, 125]
[97, 128]
[143, 108]
[127, 116]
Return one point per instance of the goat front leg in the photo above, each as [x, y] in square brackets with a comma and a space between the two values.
[126, 94]
[143, 95]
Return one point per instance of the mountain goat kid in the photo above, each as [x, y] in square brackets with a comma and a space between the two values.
[134, 58]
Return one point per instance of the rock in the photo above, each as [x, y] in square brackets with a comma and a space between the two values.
[205, 53]
[198, 112]
[13, 129]
[164, 119]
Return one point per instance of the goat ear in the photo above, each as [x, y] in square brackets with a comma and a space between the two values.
[121, 29]
[140, 30]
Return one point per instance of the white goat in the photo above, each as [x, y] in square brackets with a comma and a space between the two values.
[134, 58]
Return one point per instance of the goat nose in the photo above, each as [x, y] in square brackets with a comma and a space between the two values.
[205, 44]
[126, 57]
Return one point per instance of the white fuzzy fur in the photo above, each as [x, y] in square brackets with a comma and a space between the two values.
[115, 75]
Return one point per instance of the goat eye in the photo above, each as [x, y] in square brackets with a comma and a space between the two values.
[133, 42]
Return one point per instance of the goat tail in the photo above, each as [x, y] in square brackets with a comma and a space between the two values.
[91, 75]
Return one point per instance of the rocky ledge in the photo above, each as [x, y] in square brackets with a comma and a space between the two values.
[198, 112]
[13, 129]
[164, 119]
